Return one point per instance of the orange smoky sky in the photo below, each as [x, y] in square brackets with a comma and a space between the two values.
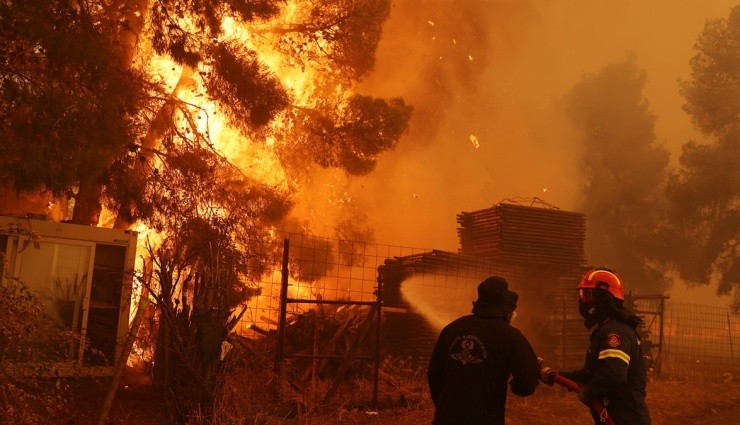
[484, 78]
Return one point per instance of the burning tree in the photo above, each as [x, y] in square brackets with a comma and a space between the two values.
[199, 276]
[72, 103]
[194, 120]
[110, 81]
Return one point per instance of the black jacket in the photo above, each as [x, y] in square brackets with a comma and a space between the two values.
[615, 373]
[470, 367]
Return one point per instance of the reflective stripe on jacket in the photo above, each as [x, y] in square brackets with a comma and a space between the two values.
[615, 373]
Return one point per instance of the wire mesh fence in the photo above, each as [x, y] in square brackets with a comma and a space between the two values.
[320, 300]
[332, 285]
[319, 268]
[700, 342]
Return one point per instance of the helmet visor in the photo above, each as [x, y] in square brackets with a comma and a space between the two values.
[586, 294]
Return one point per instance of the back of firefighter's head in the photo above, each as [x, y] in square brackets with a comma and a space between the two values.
[600, 295]
[495, 299]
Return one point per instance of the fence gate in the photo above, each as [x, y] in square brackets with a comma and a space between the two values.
[331, 334]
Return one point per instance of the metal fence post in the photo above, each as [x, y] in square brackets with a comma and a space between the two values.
[378, 340]
[729, 331]
[283, 307]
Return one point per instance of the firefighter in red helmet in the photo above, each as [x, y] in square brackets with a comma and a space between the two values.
[615, 371]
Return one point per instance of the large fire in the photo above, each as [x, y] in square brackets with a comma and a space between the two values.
[256, 159]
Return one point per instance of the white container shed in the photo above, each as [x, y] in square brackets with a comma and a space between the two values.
[83, 276]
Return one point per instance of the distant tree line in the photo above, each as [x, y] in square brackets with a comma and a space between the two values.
[645, 218]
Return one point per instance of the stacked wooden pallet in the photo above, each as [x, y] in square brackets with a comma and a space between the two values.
[512, 233]
[406, 332]
[438, 262]
[538, 249]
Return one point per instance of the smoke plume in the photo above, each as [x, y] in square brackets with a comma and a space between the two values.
[487, 81]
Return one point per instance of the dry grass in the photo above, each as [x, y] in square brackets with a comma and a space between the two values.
[705, 401]
[671, 403]
[406, 402]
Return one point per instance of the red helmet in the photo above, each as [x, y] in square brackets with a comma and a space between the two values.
[600, 278]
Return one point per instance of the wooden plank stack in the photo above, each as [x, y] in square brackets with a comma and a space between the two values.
[406, 332]
[443, 263]
[520, 234]
[538, 248]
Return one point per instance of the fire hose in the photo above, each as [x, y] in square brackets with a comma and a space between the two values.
[595, 405]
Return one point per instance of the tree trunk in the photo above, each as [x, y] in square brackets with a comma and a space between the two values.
[121, 363]
[87, 203]
[162, 121]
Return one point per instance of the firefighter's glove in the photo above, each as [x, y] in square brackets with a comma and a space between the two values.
[547, 375]
[584, 397]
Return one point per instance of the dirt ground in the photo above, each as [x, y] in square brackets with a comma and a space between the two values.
[670, 402]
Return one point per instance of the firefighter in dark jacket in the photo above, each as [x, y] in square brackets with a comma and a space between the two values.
[615, 372]
[474, 358]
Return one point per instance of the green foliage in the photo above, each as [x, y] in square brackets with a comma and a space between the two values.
[85, 119]
[374, 125]
[27, 334]
[200, 277]
[311, 257]
[624, 167]
[687, 219]
[713, 92]
[342, 34]
[244, 87]
[704, 192]
[185, 39]
[353, 238]
[249, 10]
[71, 103]
[351, 135]
[205, 266]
